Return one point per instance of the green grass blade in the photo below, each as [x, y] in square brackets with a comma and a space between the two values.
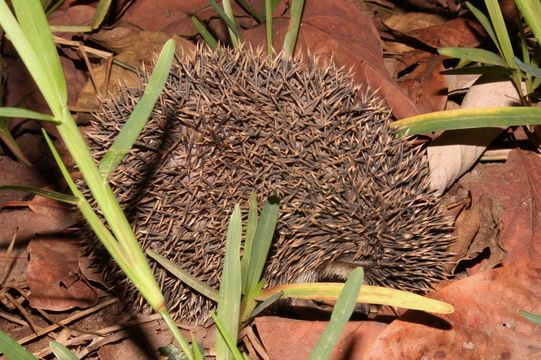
[12, 350]
[42, 76]
[229, 12]
[531, 10]
[209, 39]
[185, 276]
[14, 112]
[473, 54]
[138, 118]
[262, 242]
[53, 8]
[55, 195]
[485, 22]
[61, 352]
[227, 339]
[230, 285]
[35, 27]
[529, 69]
[530, 316]
[340, 315]
[268, 25]
[468, 119]
[251, 10]
[500, 29]
[195, 348]
[251, 229]
[290, 39]
[101, 11]
[233, 31]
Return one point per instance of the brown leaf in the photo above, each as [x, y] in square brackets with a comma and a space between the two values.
[485, 325]
[294, 339]
[343, 31]
[53, 275]
[516, 186]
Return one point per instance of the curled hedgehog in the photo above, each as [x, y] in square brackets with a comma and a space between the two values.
[233, 122]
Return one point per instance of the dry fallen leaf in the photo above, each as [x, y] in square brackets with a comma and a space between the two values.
[53, 275]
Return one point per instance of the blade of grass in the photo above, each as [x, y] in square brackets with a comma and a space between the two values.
[262, 241]
[230, 285]
[531, 10]
[268, 25]
[187, 278]
[209, 39]
[141, 113]
[55, 195]
[12, 350]
[101, 11]
[500, 29]
[230, 24]
[229, 12]
[529, 69]
[340, 315]
[227, 339]
[473, 54]
[196, 351]
[530, 316]
[42, 76]
[31, 21]
[369, 295]
[251, 10]
[61, 352]
[468, 119]
[485, 22]
[251, 229]
[290, 39]
[14, 112]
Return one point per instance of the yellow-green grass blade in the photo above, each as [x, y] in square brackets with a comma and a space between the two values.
[485, 22]
[227, 340]
[14, 112]
[55, 195]
[496, 17]
[228, 311]
[195, 348]
[141, 113]
[290, 39]
[369, 295]
[187, 278]
[62, 352]
[268, 25]
[12, 350]
[101, 11]
[207, 36]
[340, 315]
[262, 242]
[35, 27]
[531, 10]
[468, 119]
[251, 228]
[37, 68]
[235, 34]
[473, 54]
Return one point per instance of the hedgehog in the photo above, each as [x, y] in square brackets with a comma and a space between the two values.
[232, 122]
